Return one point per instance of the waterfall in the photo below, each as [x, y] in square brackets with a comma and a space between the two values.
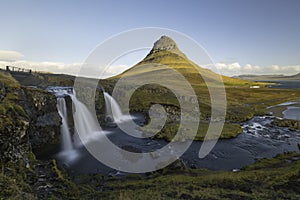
[66, 141]
[112, 108]
[85, 124]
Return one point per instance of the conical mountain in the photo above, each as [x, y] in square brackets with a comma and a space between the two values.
[165, 51]
[242, 102]
[166, 55]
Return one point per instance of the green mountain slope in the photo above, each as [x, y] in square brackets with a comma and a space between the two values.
[166, 52]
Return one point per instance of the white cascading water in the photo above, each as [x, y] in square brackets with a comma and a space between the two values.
[112, 108]
[85, 124]
[66, 144]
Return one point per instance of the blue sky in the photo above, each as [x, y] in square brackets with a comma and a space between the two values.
[262, 33]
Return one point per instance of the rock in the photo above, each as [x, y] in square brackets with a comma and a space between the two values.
[236, 170]
[177, 165]
[193, 166]
[32, 114]
[129, 148]
[44, 130]
[295, 158]
[48, 119]
[165, 43]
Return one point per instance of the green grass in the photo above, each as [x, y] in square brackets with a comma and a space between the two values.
[170, 129]
[276, 178]
[12, 189]
[11, 113]
[7, 81]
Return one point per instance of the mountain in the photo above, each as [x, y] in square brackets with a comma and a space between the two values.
[166, 52]
[250, 77]
[296, 76]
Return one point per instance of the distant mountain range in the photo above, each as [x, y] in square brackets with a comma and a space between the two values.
[250, 77]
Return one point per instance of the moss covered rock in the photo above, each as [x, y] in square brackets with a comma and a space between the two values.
[291, 124]
[28, 119]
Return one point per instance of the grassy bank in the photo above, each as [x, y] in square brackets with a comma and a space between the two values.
[276, 178]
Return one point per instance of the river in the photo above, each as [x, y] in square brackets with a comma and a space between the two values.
[259, 140]
[286, 84]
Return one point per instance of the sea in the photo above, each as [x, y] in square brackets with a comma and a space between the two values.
[286, 84]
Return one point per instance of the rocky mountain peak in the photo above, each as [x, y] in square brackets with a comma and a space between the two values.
[166, 43]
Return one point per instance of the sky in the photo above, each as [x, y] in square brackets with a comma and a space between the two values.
[241, 37]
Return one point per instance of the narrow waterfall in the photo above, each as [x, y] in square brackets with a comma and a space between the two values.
[112, 108]
[86, 126]
[66, 141]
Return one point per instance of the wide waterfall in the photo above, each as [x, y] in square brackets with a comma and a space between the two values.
[112, 108]
[66, 141]
[86, 126]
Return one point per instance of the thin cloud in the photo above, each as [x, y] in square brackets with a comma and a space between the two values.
[80, 69]
[10, 55]
[64, 68]
[232, 69]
